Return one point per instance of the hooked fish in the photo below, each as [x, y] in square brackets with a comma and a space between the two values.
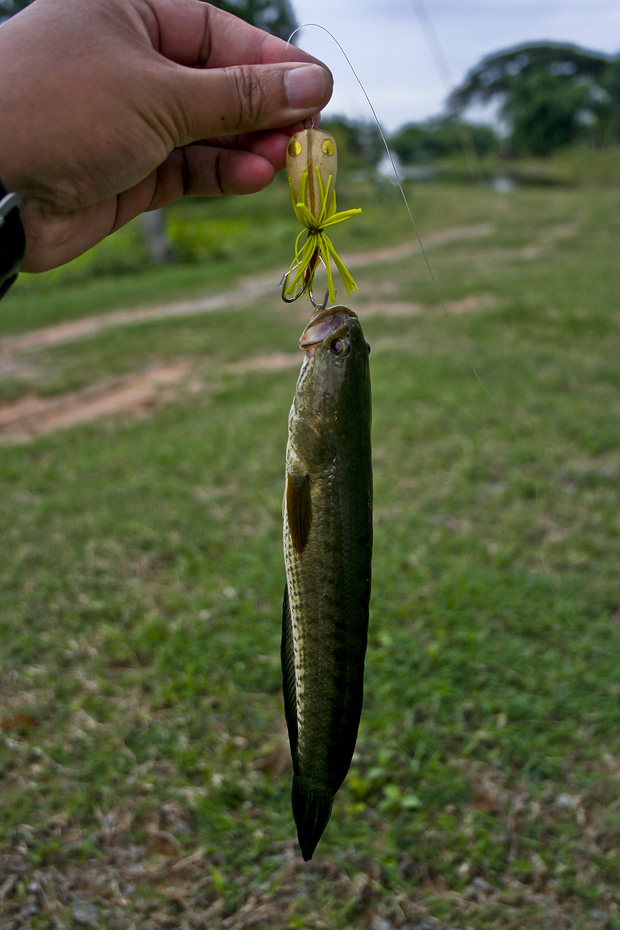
[327, 551]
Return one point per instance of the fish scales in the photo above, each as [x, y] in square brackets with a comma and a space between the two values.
[327, 550]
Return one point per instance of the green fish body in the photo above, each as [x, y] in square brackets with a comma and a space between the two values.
[327, 552]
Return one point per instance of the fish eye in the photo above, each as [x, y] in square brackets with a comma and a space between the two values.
[341, 347]
[368, 347]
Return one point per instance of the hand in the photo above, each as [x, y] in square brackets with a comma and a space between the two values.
[113, 107]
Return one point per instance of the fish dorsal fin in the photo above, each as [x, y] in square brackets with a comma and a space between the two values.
[298, 510]
[289, 688]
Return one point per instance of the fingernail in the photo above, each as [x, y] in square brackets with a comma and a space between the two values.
[306, 86]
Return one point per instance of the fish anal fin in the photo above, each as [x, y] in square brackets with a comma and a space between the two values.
[298, 509]
[289, 688]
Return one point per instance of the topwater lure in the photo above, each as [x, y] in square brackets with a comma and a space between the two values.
[327, 511]
[311, 165]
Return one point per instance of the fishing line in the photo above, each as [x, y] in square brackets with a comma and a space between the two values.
[432, 39]
[421, 10]
[427, 28]
[442, 66]
[397, 177]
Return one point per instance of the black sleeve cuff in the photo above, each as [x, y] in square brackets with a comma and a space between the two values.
[12, 239]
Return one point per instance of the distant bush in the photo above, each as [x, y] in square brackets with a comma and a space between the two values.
[440, 137]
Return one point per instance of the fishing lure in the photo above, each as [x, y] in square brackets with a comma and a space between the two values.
[311, 165]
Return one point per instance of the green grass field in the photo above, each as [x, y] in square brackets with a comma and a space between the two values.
[144, 768]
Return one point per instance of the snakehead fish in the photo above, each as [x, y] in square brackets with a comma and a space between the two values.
[327, 552]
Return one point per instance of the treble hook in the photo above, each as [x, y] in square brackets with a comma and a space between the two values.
[283, 284]
[306, 286]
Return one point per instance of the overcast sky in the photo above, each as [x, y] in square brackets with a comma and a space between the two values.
[391, 47]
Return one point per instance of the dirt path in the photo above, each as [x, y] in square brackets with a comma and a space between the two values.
[140, 392]
[259, 286]
[136, 393]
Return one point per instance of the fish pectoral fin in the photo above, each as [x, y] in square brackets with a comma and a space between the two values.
[312, 445]
[289, 687]
[298, 509]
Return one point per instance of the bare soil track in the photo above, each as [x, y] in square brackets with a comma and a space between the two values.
[139, 392]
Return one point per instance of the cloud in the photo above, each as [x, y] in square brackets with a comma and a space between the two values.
[393, 58]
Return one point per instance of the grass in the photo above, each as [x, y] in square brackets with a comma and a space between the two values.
[143, 764]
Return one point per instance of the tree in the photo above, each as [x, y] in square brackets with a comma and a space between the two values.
[610, 121]
[423, 142]
[358, 142]
[546, 112]
[275, 16]
[550, 94]
[9, 7]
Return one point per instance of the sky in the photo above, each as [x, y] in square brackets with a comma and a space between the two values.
[408, 60]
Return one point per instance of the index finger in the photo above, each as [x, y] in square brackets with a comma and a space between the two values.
[198, 34]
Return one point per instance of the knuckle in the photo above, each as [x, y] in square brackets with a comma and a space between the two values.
[250, 98]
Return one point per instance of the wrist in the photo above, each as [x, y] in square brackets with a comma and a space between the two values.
[12, 239]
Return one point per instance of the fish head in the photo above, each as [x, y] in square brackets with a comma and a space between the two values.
[336, 360]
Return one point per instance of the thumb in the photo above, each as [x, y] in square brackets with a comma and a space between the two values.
[247, 98]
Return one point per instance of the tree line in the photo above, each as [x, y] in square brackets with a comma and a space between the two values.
[275, 16]
[548, 95]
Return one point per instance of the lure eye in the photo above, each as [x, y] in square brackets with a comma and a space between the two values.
[341, 347]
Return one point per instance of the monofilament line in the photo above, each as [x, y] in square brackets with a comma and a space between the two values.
[407, 207]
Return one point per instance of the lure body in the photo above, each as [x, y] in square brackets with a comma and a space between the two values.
[327, 550]
[311, 165]
[308, 150]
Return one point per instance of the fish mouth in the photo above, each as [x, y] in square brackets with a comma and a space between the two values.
[323, 326]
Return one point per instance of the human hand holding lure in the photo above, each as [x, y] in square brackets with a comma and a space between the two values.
[327, 509]
[114, 107]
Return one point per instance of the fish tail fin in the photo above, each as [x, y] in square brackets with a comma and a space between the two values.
[312, 808]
